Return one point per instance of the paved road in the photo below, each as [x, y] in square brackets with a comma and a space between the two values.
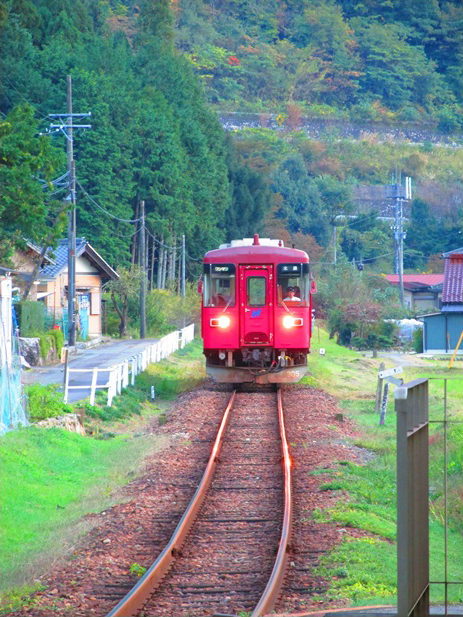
[101, 356]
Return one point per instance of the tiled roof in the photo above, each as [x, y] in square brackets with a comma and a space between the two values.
[60, 255]
[453, 281]
[454, 252]
[429, 280]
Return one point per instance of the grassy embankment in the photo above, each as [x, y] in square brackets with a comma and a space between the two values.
[52, 478]
[363, 570]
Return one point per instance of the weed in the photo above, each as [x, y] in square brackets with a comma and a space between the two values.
[137, 569]
[45, 402]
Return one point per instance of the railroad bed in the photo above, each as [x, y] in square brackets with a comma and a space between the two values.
[232, 559]
[99, 572]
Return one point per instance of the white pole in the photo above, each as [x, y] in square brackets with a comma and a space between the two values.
[93, 387]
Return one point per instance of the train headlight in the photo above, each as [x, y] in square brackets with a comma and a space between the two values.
[224, 321]
[290, 322]
[220, 322]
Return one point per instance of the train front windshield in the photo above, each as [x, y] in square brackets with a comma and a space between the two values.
[293, 284]
[219, 285]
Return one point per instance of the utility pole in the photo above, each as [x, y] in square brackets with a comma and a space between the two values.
[399, 194]
[183, 265]
[334, 244]
[143, 273]
[67, 127]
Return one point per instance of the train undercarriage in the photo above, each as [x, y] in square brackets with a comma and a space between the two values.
[256, 365]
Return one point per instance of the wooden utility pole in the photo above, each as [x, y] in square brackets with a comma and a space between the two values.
[160, 263]
[153, 252]
[143, 273]
[134, 240]
[183, 265]
[67, 127]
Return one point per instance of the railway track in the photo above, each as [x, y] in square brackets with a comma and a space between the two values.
[229, 550]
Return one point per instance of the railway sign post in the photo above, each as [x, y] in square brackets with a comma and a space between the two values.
[391, 371]
[388, 376]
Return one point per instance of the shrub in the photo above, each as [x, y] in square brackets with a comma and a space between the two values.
[359, 343]
[31, 317]
[45, 402]
[45, 345]
[58, 337]
[448, 120]
[418, 340]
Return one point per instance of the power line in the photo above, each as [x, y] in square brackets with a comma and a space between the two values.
[171, 248]
[24, 98]
[105, 211]
[193, 258]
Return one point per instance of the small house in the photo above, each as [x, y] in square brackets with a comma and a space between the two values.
[421, 291]
[92, 272]
[442, 330]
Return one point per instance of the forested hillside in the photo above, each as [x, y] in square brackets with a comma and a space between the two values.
[404, 57]
[153, 73]
[152, 137]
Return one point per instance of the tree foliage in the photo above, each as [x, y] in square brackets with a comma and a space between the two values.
[406, 55]
[26, 157]
[153, 137]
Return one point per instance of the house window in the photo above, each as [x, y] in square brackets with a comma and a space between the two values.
[95, 303]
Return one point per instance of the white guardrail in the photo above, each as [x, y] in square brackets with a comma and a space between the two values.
[123, 374]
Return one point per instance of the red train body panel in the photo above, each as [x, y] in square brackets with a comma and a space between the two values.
[256, 315]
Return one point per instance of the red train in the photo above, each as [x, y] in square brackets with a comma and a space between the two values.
[256, 315]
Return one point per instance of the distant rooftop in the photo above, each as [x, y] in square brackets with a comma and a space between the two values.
[417, 281]
[453, 282]
[61, 259]
[454, 253]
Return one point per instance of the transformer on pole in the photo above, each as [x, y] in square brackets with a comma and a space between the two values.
[400, 194]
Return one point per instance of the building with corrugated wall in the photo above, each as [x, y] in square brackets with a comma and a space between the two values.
[443, 330]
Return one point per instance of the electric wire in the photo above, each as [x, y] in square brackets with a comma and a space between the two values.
[171, 248]
[105, 211]
[24, 98]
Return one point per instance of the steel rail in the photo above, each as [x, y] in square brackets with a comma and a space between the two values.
[138, 595]
[272, 590]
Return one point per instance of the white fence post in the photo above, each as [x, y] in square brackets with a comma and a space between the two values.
[119, 378]
[119, 373]
[133, 367]
[112, 386]
[66, 385]
[125, 375]
[93, 387]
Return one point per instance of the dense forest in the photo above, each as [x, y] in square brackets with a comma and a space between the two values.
[152, 137]
[151, 72]
[403, 59]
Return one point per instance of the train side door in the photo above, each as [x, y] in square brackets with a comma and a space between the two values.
[256, 305]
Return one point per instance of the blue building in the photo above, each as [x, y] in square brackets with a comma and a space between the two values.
[442, 330]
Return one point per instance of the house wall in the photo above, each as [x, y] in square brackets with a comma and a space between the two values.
[425, 300]
[441, 333]
[421, 300]
[88, 281]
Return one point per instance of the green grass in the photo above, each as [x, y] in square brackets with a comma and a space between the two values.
[180, 372]
[51, 478]
[364, 570]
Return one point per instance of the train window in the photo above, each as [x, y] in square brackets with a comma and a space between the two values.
[256, 290]
[293, 284]
[219, 285]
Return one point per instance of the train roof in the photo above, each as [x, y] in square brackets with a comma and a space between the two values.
[254, 250]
